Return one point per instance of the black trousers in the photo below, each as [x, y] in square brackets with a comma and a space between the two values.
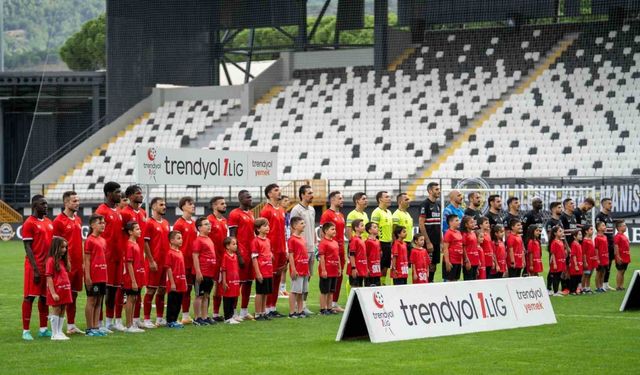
[515, 272]
[174, 303]
[574, 281]
[612, 258]
[229, 305]
[497, 275]
[555, 281]
[472, 274]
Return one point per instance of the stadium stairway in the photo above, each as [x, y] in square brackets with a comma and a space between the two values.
[416, 182]
[8, 214]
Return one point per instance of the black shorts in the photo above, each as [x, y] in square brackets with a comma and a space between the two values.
[205, 287]
[602, 268]
[356, 282]
[622, 266]
[131, 292]
[96, 290]
[372, 281]
[400, 281]
[264, 287]
[385, 259]
[454, 274]
[328, 284]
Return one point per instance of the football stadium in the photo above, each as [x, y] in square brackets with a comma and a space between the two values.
[319, 186]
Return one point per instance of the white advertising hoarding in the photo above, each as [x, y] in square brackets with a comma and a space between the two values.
[395, 313]
[184, 166]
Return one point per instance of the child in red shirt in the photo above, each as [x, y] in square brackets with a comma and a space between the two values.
[298, 268]
[176, 279]
[557, 263]
[534, 250]
[497, 237]
[373, 254]
[470, 249]
[134, 276]
[482, 269]
[622, 254]
[602, 248]
[328, 267]
[487, 246]
[399, 261]
[204, 260]
[230, 279]
[515, 248]
[95, 274]
[357, 255]
[590, 257]
[576, 268]
[262, 260]
[419, 260]
[452, 249]
[58, 285]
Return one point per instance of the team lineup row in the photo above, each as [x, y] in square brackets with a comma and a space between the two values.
[126, 251]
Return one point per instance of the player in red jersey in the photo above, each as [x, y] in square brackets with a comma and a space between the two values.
[241, 223]
[374, 252]
[621, 253]
[230, 279]
[58, 285]
[68, 225]
[219, 231]
[299, 268]
[116, 243]
[357, 255]
[95, 274]
[176, 279]
[333, 215]
[515, 248]
[328, 267]
[419, 260]
[187, 227]
[469, 248]
[156, 246]
[452, 248]
[275, 215]
[399, 259]
[204, 268]
[262, 261]
[37, 232]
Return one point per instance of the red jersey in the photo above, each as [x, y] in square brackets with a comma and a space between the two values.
[482, 269]
[470, 243]
[204, 249]
[298, 247]
[40, 233]
[218, 233]
[276, 218]
[189, 234]
[399, 251]
[61, 283]
[175, 262]
[243, 221]
[501, 256]
[454, 239]
[139, 216]
[358, 250]
[261, 250]
[330, 250]
[557, 251]
[602, 248]
[71, 230]
[331, 216]
[96, 247]
[113, 232]
[156, 234]
[590, 254]
[487, 249]
[623, 247]
[373, 256]
[232, 274]
[534, 252]
[514, 242]
[135, 257]
[576, 264]
[420, 260]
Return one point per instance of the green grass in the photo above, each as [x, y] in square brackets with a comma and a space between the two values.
[590, 335]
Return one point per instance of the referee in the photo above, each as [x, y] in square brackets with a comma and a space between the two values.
[384, 218]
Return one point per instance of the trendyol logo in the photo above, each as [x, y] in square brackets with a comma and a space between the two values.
[220, 167]
[378, 299]
[152, 153]
[384, 317]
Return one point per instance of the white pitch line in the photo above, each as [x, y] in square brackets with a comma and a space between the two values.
[599, 316]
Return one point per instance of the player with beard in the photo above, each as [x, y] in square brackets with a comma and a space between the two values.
[384, 218]
[68, 225]
[513, 204]
[494, 214]
[581, 212]
[219, 231]
[275, 215]
[474, 207]
[241, 226]
[333, 215]
[553, 221]
[156, 246]
[534, 216]
[430, 227]
[186, 225]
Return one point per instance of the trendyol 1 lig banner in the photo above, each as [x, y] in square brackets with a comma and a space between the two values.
[395, 313]
[184, 166]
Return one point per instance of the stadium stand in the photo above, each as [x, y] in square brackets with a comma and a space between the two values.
[576, 119]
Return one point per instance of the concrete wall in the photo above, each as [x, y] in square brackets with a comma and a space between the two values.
[260, 85]
[161, 95]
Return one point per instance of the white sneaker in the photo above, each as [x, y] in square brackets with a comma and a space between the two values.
[138, 323]
[306, 311]
[161, 322]
[559, 294]
[550, 292]
[59, 337]
[133, 329]
[238, 318]
[147, 324]
[609, 287]
[105, 330]
[119, 327]
[74, 330]
[231, 321]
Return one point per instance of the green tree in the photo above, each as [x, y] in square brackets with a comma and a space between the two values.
[86, 49]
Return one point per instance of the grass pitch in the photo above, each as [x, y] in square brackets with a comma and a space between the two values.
[591, 335]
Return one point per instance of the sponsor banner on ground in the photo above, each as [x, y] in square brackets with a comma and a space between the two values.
[159, 166]
[395, 313]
